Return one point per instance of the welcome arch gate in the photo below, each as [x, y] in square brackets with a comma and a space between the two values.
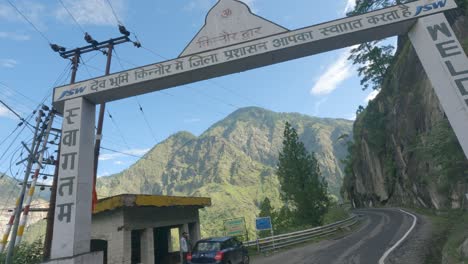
[234, 40]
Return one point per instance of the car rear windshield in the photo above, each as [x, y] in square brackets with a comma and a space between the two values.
[208, 246]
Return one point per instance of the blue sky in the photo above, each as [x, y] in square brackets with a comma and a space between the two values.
[325, 85]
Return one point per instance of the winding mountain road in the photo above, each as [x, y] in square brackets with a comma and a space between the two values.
[386, 236]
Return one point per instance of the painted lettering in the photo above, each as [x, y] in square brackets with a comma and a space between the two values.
[66, 182]
[70, 115]
[65, 211]
[453, 71]
[429, 7]
[72, 91]
[444, 48]
[461, 86]
[69, 137]
[436, 28]
[72, 160]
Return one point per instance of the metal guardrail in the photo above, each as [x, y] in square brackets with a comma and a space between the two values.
[285, 240]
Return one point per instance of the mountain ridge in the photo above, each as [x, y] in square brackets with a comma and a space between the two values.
[233, 161]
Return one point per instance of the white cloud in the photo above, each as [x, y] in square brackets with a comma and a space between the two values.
[14, 36]
[334, 75]
[128, 153]
[8, 63]
[4, 112]
[371, 96]
[33, 10]
[350, 4]
[91, 12]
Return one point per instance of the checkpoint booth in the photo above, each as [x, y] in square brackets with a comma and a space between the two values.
[133, 229]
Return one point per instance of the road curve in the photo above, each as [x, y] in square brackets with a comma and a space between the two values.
[381, 229]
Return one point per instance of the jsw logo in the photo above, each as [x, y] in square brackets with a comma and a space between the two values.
[72, 91]
[429, 7]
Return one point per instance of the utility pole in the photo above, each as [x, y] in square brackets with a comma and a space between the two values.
[31, 160]
[39, 165]
[53, 190]
[75, 53]
[102, 109]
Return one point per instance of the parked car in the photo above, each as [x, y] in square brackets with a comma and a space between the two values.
[219, 250]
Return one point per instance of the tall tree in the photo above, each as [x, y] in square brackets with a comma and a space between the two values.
[301, 183]
[265, 208]
[374, 57]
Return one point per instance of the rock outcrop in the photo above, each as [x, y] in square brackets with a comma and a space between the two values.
[405, 152]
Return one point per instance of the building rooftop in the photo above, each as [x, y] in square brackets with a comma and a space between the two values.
[138, 200]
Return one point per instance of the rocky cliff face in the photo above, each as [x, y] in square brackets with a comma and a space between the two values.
[405, 152]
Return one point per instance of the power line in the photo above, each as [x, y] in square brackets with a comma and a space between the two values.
[118, 58]
[48, 94]
[12, 132]
[86, 67]
[30, 23]
[192, 102]
[18, 92]
[138, 102]
[118, 128]
[209, 81]
[68, 11]
[142, 157]
[146, 120]
[11, 110]
[114, 13]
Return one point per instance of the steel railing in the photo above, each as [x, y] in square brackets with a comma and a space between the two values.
[289, 239]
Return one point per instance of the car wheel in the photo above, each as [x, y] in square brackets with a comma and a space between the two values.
[245, 260]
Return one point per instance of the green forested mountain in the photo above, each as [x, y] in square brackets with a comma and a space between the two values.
[233, 162]
[7, 186]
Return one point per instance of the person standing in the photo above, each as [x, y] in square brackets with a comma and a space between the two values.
[184, 246]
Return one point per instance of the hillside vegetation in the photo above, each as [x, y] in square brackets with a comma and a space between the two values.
[233, 162]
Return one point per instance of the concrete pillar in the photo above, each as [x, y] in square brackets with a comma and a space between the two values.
[147, 246]
[116, 247]
[194, 231]
[446, 65]
[127, 247]
[72, 225]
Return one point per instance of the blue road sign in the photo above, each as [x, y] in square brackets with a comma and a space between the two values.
[263, 223]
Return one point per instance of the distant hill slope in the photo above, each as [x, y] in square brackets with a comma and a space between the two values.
[7, 186]
[9, 192]
[233, 162]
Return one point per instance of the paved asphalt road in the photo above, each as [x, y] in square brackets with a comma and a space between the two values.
[381, 229]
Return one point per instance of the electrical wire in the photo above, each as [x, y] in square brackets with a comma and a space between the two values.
[146, 120]
[114, 13]
[69, 13]
[118, 128]
[86, 67]
[11, 110]
[191, 102]
[30, 23]
[48, 94]
[9, 135]
[18, 92]
[209, 81]
[141, 157]
[138, 102]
